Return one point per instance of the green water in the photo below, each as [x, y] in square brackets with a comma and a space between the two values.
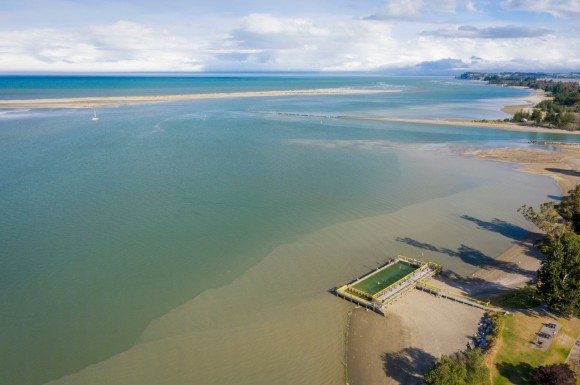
[212, 230]
[386, 277]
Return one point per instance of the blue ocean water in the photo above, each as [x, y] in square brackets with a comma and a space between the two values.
[106, 226]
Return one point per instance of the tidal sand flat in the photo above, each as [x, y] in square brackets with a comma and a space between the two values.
[561, 163]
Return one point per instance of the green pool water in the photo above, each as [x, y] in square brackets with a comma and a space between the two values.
[377, 282]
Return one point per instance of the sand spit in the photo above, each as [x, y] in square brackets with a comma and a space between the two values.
[496, 124]
[107, 101]
[500, 125]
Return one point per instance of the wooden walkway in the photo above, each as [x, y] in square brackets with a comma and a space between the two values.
[454, 296]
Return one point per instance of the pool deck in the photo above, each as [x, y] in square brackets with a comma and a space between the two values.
[391, 293]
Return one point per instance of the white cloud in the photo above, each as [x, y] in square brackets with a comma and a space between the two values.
[470, 6]
[261, 23]
[298, 44]
[416, 9]
[504, 32]
[558, 8]
[262, 41]
[396, 9]
[122, 46]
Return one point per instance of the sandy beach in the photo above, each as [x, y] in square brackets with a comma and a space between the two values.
[107, 101]
[400, 348]
[536, 97]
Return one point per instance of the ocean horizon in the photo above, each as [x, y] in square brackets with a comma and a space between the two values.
[196, 241]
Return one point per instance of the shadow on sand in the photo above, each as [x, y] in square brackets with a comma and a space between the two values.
[471, 256]
[498, 226]
[477, 287]
[407, 366]
[563, 171]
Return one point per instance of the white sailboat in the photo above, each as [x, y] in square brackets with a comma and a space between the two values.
[95, 115]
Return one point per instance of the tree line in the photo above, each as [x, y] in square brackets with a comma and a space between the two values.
[559, 273]
[560, 112]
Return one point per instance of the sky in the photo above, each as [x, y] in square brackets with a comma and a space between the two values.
[422, 36]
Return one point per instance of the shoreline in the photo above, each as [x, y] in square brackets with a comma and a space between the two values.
[536, 97]
[402, 333]
[564, 168]
[513, 268]
[108, 101]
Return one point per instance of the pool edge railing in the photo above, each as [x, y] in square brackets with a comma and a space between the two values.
[372, 302]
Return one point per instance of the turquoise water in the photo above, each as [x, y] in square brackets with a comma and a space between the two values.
[106, 226]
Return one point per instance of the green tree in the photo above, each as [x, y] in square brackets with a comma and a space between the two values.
[559, 274]
[569, 209]
[564, 119]
[547, 219]
[461, 368]
[536, 115]
[551, 117]
[554, 375]
[521, 116]
[477, 370]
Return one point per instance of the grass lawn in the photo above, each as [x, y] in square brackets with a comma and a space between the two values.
[523, 298]
[516, 357]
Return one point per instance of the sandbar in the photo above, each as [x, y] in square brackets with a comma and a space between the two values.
[500, 125]
[107, 101]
